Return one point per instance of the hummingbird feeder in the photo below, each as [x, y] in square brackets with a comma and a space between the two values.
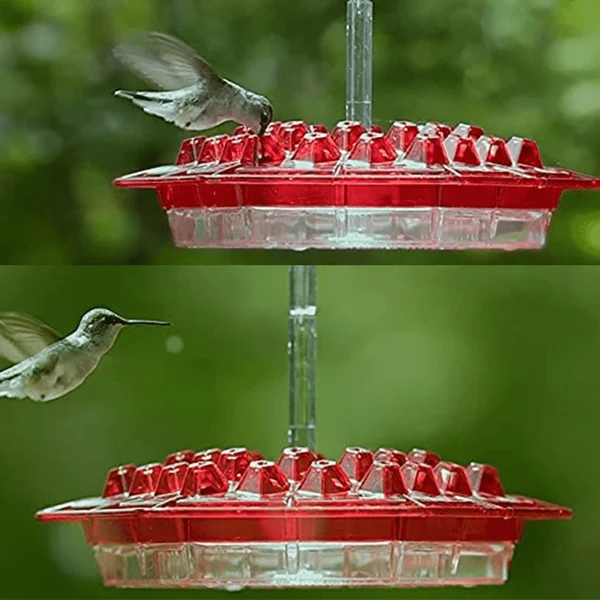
[230, 519]
[415, 186]
[428, 186]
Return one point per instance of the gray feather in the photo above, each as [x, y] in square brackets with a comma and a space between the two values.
[15, 382]
[181, 107]
[22, 336]
[165, 61]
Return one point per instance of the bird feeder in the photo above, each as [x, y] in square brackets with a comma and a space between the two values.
[233, 520]
[429, 186]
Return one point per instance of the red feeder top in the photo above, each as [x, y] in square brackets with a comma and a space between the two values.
[410, 165]
[235, 495]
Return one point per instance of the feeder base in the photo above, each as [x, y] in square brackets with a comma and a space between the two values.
[316, 565]
[347, 228]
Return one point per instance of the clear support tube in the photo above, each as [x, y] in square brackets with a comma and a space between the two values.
[302, 352]
[359, 94]
[302, 337]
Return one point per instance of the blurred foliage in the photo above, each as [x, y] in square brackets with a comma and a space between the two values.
[516, 68]
[495, 365]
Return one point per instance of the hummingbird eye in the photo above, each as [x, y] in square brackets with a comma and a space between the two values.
[266, 116]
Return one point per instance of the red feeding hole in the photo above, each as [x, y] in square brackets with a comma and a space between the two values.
[485, 480]
[347, 134]
[462, 151]
[316, 149]
[240, 149]
[263, 478]
[212, 455]
[384, 477]
[494, 151]
[356, 462]
[325, 478]
[525, 153]
[119, 481]
[212, 149]
[178, 457]
[464, 130]
[452, 479]
[295, 462]
[145, 480]
[204, 479]
[389, 454]
[422, 456]
[319, 129]
[190, 150]
[291, 134]
[373, 149]
[402, 134]
[429, 150]
[172, 478]
[436, 129]
[271, 151]
[273, 128]
[420, 478]
[234, 462]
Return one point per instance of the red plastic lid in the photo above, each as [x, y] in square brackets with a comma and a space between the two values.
[410, 165]
[236, 495]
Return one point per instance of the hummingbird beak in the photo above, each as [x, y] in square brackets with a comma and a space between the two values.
[140, 322]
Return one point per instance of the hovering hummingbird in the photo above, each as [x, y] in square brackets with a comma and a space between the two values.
[194, 96]
[50, 366]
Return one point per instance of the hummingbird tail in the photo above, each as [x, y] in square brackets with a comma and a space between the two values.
[133, 96]
[153, 103]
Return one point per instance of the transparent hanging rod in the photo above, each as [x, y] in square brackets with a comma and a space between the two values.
[359, 77]
[302, 336]
[302, 352]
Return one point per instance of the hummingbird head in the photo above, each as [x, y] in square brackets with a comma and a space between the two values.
[260, 115]
[102, 324]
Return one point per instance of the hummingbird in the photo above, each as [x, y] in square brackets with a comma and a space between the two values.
[193, 97]
[49, 365]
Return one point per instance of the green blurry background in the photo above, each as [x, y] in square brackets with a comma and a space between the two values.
[496, 365]
[515, 67]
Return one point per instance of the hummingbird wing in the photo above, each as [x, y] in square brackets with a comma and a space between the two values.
[22, 336]
[166, 61]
